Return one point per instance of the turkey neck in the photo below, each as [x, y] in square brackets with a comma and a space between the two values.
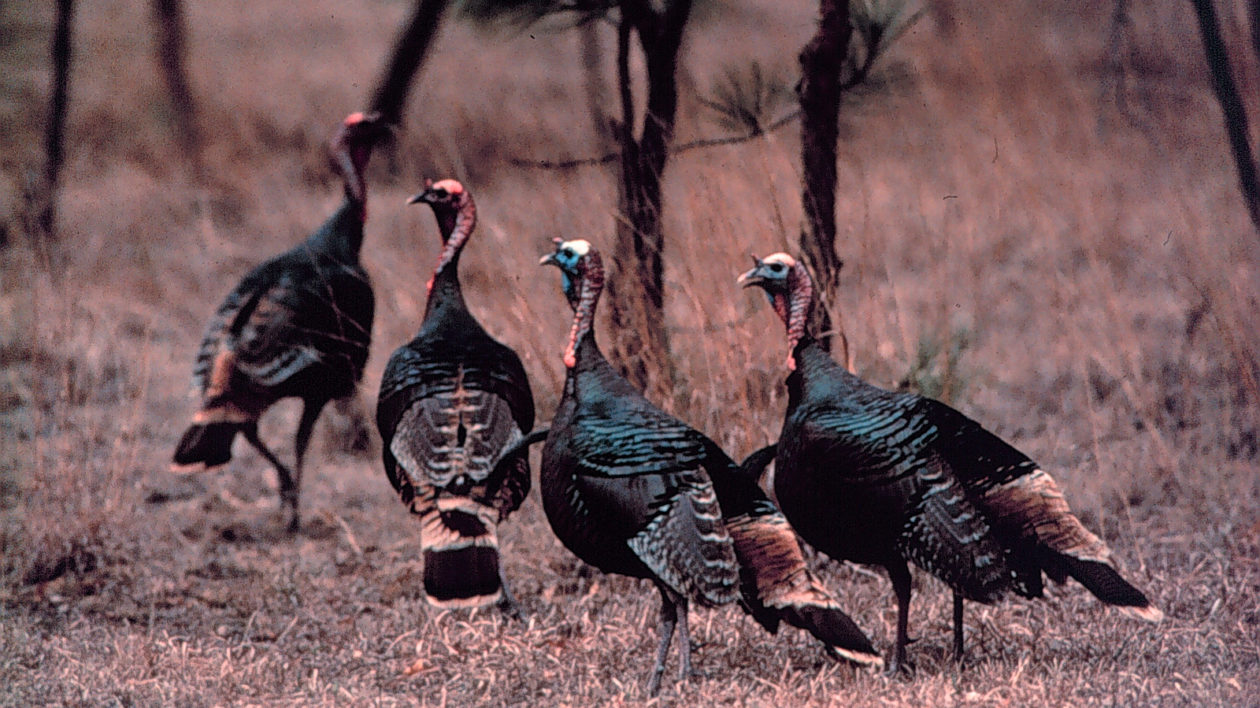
[456, 226]
[590, 286]
[341, 236]
[818, 374]
[593, 367]
[582, 357]
[446, 298]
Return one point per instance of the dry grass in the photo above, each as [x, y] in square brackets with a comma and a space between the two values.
[1095, 273]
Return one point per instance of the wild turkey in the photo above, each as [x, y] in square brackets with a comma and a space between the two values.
[297, 325]
[885, 478]
[631, 490]
[452, 401]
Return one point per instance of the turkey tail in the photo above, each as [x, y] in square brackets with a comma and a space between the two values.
[1106, 584]
[206, 443]
[779, 586]
[461, 554]
[1065, 547]
[835, 629]
[462, 577]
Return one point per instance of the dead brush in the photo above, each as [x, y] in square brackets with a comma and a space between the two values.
[78, 413]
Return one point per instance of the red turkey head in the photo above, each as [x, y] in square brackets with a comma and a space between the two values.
[351, 146]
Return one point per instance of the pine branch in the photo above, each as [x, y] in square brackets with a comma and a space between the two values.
[680, 148]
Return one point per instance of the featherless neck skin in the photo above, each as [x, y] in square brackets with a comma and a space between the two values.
[590, 283]
[560, 259]
[793, 307]
[456, 222]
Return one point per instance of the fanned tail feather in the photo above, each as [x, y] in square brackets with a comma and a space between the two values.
[209, 444]
[779, 586]
[462, 577]
[1057, 542]
[461, 554]
[835, 629]
[1149, 613]
[1106, 584]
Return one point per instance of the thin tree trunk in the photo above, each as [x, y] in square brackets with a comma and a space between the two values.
[592, 86]
[819, 92]
[1112, 78]
[172, 52]
[1255, 28]
[1235, 113]
[390, 96]
[627, 310]
[44, 203]
[641, 343]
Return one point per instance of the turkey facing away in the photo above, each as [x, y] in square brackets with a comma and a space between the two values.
[885, 478]
[298, 325]
[632, 490]
[452, 401]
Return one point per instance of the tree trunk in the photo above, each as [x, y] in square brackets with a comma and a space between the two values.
[43, 203]
[1231, 106]
[1255, 28]
[819, 93]
[171, 50]
[592, 86]
[412, 46]
[640, 343]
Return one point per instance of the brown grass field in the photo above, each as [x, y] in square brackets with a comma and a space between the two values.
[1076, 273]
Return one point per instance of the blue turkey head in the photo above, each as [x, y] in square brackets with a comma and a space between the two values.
[770, 274]
[566, 257]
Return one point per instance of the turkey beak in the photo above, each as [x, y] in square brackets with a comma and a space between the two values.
[424, 196]
[752, 277]
[549, 259]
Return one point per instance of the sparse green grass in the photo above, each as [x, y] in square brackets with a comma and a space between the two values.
[1105, 274]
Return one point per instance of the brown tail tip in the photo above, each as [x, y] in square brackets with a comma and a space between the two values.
[464, 603]
[1150, 613]
[860, 657]
[177, 468]
[834, 628]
